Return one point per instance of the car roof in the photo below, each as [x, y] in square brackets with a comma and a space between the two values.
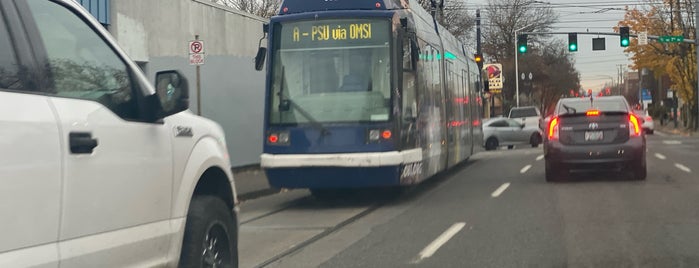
[572, 100]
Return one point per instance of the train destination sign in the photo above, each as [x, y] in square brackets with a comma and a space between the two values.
[334, 33]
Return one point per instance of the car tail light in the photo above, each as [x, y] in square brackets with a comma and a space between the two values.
[634, 126]
[553, 129]
[592, 113]
[648, 118]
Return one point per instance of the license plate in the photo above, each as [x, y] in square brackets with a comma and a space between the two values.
[594, 135]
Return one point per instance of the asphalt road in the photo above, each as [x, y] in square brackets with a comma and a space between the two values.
[495, 211]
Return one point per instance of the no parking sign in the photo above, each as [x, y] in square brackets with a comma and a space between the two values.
[196, 52]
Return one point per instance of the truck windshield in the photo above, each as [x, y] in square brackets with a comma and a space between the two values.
[330, 71]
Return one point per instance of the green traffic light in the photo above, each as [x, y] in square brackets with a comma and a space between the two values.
[624, 42]
[573, 47]
[522, 49]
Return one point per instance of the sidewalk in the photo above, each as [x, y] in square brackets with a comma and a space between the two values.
[251, 182]
[669, 128]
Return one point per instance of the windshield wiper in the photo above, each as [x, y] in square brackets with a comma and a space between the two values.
[569, 109]
[286, 103]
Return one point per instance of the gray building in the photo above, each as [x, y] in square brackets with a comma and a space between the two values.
[156, 34]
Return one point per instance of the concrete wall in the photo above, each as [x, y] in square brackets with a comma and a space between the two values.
[155, 33]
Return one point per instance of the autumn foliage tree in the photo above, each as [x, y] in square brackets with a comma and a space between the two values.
[676, 60]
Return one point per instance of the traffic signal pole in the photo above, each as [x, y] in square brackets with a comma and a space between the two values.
[517, 63]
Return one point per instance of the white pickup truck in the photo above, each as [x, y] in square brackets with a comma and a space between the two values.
[98, 168]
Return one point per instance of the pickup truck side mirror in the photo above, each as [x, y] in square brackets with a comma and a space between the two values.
[260, 58]
[172, 90]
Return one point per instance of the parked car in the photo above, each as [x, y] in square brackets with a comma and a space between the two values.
[594, 134]
[648, 125]
[509, 132]
[99, 168]
[529, 115]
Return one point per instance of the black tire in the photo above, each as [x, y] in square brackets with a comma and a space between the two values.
[638, 170]
[491, 144]
[210, 231]
[510, 147]
[535, 140]
[650, 131]
[554, 172]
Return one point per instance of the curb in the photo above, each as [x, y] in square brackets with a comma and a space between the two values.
[258, 194]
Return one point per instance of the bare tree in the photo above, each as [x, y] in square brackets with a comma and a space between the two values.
[505, 16]
[502, 18]
[454, 16]
[262, 8]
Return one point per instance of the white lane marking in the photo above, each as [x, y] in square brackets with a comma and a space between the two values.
[672, 142]
[538, 158]
[440, 241]
[500, 189]
[525, 168]
[683, 167]
[661, 134]
[660, 156]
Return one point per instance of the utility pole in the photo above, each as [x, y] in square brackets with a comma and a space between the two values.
[696, 42]
[621, 76]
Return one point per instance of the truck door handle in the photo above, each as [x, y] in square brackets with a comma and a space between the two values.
[81, 142]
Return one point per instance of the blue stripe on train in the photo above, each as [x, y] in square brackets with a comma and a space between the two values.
[333, 177]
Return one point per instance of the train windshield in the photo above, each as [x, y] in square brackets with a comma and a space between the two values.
[330, 71]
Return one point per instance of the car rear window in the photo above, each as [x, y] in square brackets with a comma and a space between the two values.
[517, 113]
[582, 105]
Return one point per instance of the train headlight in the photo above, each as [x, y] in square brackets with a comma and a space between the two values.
[284, 137]
[278, 138]
[374, 135]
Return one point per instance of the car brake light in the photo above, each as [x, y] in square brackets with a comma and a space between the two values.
[634, 126]
[273, 138]
[553, 129]
[592, 113]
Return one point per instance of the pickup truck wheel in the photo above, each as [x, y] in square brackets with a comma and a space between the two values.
[210, 237]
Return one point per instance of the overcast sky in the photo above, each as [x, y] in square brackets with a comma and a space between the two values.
[596, 67]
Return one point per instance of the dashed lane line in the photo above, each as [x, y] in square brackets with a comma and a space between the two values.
[683, 167]
[660, 156]
[525, 168]
[439, 242]
[500, 189]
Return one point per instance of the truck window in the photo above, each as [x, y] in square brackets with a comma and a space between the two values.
[82, 65]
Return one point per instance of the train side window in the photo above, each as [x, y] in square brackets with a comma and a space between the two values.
[410, 53]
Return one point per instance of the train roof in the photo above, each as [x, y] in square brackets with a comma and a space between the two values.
[422, 18]
[299, 6]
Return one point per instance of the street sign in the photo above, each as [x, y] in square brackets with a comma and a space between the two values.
[645, 95]
[494, 77]
[671, 39]
[598, 43]
[643, 38]
[196, 52]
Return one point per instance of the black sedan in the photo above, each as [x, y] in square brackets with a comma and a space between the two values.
[594, 134]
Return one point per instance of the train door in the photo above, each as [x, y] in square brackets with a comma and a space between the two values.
[409, 52]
